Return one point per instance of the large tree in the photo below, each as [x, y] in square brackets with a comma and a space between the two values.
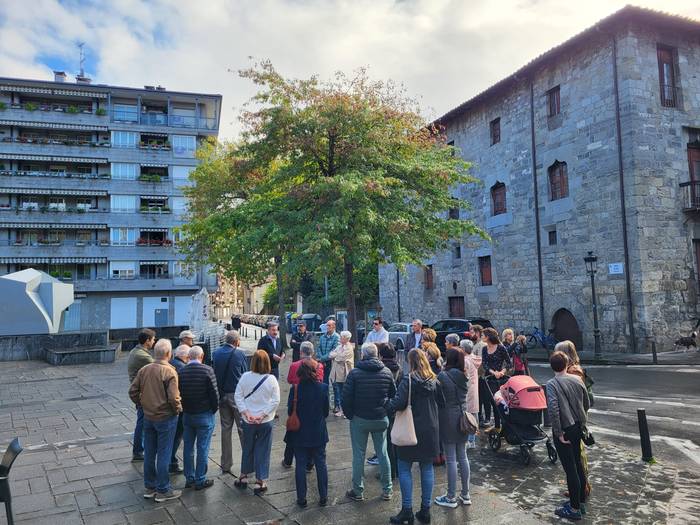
[337, 175]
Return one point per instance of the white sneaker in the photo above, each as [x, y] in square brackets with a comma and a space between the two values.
[465, 500]
[445, 501]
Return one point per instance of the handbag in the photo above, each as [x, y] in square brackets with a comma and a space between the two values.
[467, 423]
[293, 423]
[403, 434]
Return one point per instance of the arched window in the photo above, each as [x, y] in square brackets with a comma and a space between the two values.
[498, 198]
[558, 181]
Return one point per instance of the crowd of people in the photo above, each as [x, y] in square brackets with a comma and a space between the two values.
[425, 407]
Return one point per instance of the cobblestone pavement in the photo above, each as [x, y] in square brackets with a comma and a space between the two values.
[76, 424]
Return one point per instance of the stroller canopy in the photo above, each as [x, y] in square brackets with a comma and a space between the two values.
[524, 393]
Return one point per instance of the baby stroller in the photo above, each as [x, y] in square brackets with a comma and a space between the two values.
[521, 402]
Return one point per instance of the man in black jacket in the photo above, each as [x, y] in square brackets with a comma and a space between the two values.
[272, 344]
[366, 390]
[299, 337]
[200, 401]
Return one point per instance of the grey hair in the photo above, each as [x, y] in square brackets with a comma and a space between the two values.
[306, 348]
[232, 337]
[182, 351]
[196, 352]
[467, 346]
[347, 335]
[453, 339]
[162, 349]
[369, 351]
[418, 321]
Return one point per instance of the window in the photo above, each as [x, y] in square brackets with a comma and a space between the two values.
[552, 237]
[124, 139]
[123, 236]
[553, 105]
[495, 130]
[456, 306]
[83, 236]
[122, 269]
[667, 76]
[485, 271]
[184, 146]
[123, 203]
[498, 198]
[182, 173]
[29, 203]
[125, 171]
[57, 203]
[558, 181]
[179, 205]
[84, 203]
[125, 113]
[428, 277]
[457, 251]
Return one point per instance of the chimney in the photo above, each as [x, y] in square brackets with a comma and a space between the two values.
[59, 76]
[160, 88]
[81, 79]
[149, 88]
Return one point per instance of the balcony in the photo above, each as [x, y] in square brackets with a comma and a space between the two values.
[61, 174]
[163, 120]
[670, 96]
[102, 284]
[55, 113]
[31, 247]
[690, 196]
[49, 141]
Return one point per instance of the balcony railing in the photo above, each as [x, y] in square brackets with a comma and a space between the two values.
[154, 209]
[63, 174]
[59, 107]
[44, 141]
[43, 208]
[670, 96]
[162, 119]
[690, 196]
[41, 243]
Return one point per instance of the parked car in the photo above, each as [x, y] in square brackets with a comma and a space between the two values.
[443, 327]
[398, 333]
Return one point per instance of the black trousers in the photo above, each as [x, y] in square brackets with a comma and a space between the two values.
[492, 385]
[570, 458]
[484, 400]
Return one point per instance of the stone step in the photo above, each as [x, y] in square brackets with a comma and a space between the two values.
[83, 355]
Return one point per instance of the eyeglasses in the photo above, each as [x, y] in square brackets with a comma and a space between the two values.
[377, 324]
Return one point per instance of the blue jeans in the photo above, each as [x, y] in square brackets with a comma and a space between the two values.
[158, 446]
[360, 429]
[138, 433]
[303, 457]
[338, 395]
[471, 438]
[257, 444]
[199, 428]
[427, 480]
[176, 441]
[457, 454]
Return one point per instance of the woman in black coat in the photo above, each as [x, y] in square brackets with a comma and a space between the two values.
[310, 440]
[452, 402]
[424, 392]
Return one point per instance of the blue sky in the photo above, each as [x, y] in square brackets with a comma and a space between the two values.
[443, 51]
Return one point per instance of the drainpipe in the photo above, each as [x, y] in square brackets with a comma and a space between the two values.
[537, 203]
[398, 294]
[623, 207]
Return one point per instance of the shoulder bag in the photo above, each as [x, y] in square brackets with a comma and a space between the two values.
[293, 423]
[403, 433]
[257, 386]
[586, 435]
[467, 423]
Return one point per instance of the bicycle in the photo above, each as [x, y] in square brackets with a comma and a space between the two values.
[538, 337]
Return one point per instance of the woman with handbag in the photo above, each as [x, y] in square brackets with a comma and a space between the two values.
[454, 430]
[307, 408]
[257, 397]
[415, 434]
[567, 404]
[342, 358]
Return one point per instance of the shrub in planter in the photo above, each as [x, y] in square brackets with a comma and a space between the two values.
[72, 110]
[3, 106]
[100, 112]
[54, 273]
[67, 275]
[31, 106]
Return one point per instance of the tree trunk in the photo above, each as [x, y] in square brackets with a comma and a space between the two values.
[280, 302]
[350, 290]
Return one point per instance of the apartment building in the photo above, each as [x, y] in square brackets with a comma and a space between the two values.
[91, 180]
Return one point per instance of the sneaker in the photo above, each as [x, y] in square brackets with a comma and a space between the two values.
[374, 460]
[189, 484]
[471, 444]
[137, 457]
[285, 465]
[175, 469]
[166, 496]
[465, 500]
[323, 502]
[351, 494]
[445, 501]
[340, 414]
[483, 424]
[568, 513]
[303, 503]
[207, 483]
[149, 494]
[582, 509]
[387, 495]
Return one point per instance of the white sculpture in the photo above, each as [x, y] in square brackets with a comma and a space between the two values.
[32, 302]
[199, 314]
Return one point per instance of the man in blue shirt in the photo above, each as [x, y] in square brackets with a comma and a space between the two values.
[229, 363]
[326, 344]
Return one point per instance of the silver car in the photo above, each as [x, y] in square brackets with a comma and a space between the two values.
[398, 332]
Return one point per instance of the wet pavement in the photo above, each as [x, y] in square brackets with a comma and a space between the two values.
[76, 424]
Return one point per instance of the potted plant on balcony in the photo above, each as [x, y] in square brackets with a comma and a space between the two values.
[55, 274]
[31, 106]
[156, 242]
[141, 241]
[3, 106]
[167, 242]
[104, 242]
[142, 144]
[72, 110]
[100, 112]
[144, 209]
[67, 276]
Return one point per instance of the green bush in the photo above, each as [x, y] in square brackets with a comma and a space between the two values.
[31, 106]
[3, 106]
[72, 109]
[101, 112]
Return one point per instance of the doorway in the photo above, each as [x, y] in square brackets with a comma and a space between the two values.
[566, 327]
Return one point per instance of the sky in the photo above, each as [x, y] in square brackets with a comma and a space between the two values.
[442, 51]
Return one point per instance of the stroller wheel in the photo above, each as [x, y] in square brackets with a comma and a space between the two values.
[494, 441]
[525, 455]
[552, 453]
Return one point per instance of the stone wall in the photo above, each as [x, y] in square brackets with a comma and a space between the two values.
[26, 347]
[590, 218]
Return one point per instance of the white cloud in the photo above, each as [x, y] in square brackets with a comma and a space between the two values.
[443, 51]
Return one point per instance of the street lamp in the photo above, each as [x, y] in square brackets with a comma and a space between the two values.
[591, 267]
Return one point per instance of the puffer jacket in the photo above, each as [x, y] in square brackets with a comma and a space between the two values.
[452, 401]
[367, 389]
[424, 394]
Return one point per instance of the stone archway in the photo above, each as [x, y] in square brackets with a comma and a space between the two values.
[566, 327]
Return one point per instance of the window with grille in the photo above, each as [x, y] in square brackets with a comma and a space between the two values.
[428, 277]
[553, 104]
[558, 181]
[498, 198]
[552, 237]
[495, 130]
[667, 76]
[485, 271]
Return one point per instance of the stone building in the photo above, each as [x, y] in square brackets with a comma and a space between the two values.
[592, 146]
[91, 181]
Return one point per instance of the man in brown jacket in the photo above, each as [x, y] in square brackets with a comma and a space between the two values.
[156, 390]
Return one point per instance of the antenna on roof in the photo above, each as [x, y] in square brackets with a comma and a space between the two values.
[82, 58]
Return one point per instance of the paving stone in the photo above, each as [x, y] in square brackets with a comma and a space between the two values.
[117, 494]
[112, 517]
[62, 518]
[32, 503]
[27, 472]
[73, 486]
[90, 471]
[38, 485]
[149, 517]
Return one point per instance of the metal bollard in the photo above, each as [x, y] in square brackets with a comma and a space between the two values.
[644, 436]
[655, 358]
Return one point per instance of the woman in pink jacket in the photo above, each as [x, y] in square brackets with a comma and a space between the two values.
[472, 362]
